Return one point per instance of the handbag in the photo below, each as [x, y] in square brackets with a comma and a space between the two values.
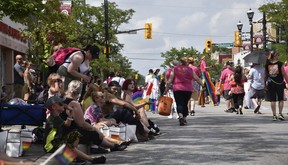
[17, 142]
[131, 133]
[164, 106]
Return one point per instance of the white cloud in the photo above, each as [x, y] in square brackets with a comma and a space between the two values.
[188, 22]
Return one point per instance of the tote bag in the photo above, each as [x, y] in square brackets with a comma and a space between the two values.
[164, 106]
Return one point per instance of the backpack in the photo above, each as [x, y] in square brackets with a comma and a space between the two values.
[62, 54]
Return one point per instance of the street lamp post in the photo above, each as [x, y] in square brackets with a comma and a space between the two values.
[250, 15]
[239, 26]
[106, 26]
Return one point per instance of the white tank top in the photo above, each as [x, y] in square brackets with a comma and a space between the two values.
[83, 68]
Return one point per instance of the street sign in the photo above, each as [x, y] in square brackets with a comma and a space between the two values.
[224, 45]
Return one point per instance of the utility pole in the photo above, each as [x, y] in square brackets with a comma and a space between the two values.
[264, 21]
[106, 28]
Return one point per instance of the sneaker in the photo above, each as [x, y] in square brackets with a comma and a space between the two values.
[118, 147]
[274, 118]
[192, 113]
[98, 150]
[170, 117]
[241, 112]
[78, 162]
[99, 160]
[281, 117]
[257, 109]
[181, 122]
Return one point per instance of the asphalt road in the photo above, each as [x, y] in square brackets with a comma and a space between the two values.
[211, 137]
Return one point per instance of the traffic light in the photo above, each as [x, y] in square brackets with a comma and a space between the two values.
[208, 47]
[148, 31]
[108, 50]
[237, 39]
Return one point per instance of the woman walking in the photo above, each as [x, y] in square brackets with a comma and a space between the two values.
[182, 77]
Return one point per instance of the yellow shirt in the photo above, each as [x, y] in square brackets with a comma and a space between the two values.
[86, 103]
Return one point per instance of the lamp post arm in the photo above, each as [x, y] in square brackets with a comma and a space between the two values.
[130, 31]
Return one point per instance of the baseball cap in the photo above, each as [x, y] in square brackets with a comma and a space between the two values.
[94, 50]
[54, 99]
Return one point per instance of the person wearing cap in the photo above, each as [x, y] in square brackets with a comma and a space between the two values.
[77, 66]
[196, 87]
[182, 77]
[54, 135]
[224, 79]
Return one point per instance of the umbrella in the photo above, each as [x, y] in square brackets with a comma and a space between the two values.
[257, 57]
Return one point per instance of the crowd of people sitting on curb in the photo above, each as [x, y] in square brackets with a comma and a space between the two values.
[78, 106]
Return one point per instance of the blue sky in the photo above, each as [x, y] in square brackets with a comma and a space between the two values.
[180, 23]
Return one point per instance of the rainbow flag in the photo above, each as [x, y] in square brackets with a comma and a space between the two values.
[137, 97]
[62, 156]
[25, 146]
[67, 156]
[210, 87]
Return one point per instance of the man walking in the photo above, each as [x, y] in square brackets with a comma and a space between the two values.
[18, 77]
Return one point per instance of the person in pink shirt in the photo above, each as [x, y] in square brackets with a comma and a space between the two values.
[224, 79]
[196, 87]
[182, 77]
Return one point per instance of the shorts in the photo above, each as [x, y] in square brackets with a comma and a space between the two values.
[255, 93]
[195, 95]
[275, 92]
[226, 95]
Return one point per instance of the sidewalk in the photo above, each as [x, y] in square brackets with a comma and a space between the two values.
[211, 137]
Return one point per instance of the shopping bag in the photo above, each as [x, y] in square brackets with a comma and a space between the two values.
[131, 133]
[13, 143]
[26, 139]
[164, 105]
[17, 142]
[118, 132]
[105, 130]
[3, 138]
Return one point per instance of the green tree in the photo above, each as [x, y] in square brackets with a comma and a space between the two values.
[175, 54]
[84, 26]
[277, 13]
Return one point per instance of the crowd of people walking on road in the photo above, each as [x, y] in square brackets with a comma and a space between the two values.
[79, 106]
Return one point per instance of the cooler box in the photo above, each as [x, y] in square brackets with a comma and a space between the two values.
[22, 114]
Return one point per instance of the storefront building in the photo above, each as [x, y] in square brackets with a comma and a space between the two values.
[11, 44]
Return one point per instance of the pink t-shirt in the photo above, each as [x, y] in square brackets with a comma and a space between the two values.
[224, 78]
[203, 66]
[183, 77]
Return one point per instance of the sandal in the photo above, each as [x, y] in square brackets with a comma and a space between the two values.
[126, 143]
